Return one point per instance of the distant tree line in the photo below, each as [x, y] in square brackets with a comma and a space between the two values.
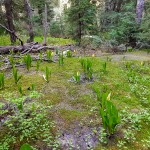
[116, 21]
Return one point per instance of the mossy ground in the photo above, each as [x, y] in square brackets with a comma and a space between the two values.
[76, 103]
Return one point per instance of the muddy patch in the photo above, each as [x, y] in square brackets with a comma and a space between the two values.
[79, 138]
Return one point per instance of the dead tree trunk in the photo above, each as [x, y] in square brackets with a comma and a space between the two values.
[139, 10]
[9, 17]
[29, 20]
[45, 25]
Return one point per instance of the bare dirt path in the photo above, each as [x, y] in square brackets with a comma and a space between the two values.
[139, 56]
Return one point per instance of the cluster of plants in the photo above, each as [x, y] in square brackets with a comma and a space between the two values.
[47, 74]
[69, 54]
[28, 61]
[77, 77]
[16, 76]
[86, 64]
[27, 123]
[139, 85]
[108, 112]
[131, 123]
[30, 125]
[30, 121]
[49, 55]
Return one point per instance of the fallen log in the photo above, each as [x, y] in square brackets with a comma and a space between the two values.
[15, 49]
[33, 47]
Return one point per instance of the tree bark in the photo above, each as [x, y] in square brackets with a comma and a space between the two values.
[45, 24]
[9, 17]
[79, 29]
[139, 10]
[29, 22]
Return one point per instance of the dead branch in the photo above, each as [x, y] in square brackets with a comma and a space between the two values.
[21, 42]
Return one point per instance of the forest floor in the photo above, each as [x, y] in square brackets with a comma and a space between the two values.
[62, 114]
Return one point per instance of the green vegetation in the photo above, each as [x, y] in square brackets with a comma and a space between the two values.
[109, 114]
[15, 75]
[87, 68]
[49, 55]
[11, 59]
[38, 65]
[20, 90]
[28, 61]
[69, 53]
[47, 74]
[2, 78]
[5, 40]
[25, 147]
[104, 65]
[77, 77]
[61, 59]
[40, 117]
[95, 99]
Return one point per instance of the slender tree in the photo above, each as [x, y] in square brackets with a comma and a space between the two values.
[45, 25]
[9, 17]
[29, 20]
[139, 10]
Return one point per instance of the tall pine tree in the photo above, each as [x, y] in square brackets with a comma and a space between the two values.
[82, 16]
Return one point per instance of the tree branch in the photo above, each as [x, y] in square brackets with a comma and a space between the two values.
[12, 32]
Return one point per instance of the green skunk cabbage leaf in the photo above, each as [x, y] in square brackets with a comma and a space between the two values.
[25, 147]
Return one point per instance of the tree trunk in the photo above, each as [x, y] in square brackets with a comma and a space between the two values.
[139, 11]
[29, 22]
[45, 24]
[79, 33]
[118, 7]
[9, 17]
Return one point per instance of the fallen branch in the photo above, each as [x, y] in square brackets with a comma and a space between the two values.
[12, 32]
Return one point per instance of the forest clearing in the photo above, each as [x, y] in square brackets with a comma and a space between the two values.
[73, 77]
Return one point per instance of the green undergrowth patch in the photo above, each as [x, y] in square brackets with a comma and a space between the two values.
[64, 101]
[5, 40]
[55, 41]
[71, 116]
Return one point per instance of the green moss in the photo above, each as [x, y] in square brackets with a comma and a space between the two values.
[71, 116]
